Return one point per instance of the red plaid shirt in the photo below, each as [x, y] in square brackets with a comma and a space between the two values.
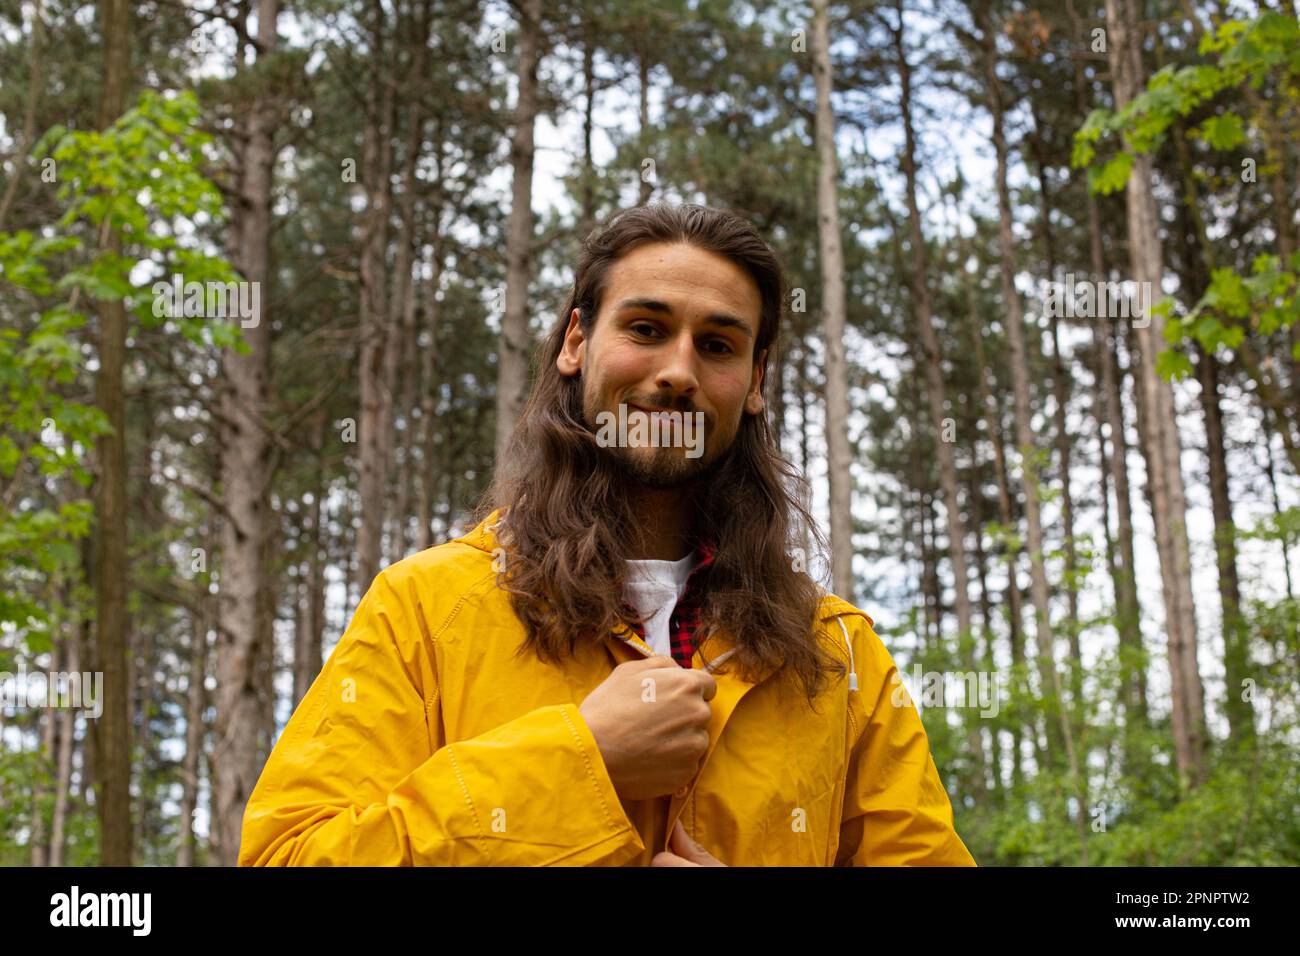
[685, 619]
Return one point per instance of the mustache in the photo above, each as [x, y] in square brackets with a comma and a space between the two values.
[686, 406]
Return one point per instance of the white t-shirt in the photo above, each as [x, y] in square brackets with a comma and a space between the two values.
[653, 588]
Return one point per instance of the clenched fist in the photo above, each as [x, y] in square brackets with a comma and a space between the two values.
[650, 719]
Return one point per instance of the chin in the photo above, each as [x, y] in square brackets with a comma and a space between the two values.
[664, 478]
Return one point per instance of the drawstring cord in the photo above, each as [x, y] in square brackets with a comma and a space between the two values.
[646, 652]
[853, 673]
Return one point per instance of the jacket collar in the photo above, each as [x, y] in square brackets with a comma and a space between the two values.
[624, 639]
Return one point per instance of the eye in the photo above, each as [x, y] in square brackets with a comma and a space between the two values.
[649, 330]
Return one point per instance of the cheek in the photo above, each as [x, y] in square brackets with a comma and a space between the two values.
[729, 390]
[619, 369]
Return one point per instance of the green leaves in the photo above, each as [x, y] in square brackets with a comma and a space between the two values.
[104, 277]
[1085, 140]
[1227, 294]
[142, 169]
[141, 177]
[1245, 53]
[1240, 54]
[1264, 302]
[1222, 132]
[1173, 364]
[1112, 176]
[1270, 43]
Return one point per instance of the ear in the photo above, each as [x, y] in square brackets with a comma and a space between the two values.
[574, 351]
[754, 403]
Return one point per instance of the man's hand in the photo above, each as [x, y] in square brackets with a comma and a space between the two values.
[685, 852]
[650, 719]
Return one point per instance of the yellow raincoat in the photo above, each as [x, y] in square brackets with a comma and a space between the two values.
[424, 741]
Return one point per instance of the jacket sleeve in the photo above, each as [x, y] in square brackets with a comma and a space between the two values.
[896, 811]
[362, 775]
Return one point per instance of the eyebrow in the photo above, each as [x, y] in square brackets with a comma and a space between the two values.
[722, 319]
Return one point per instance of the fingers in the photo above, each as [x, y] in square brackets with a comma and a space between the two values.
[705, 684]
[708, 686]
[650, 663]
[679, 841]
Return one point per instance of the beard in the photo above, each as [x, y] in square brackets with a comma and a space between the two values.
[661, 468]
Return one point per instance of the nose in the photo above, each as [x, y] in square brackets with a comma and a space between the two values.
[676, 373]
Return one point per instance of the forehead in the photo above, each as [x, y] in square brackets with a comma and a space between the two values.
[689, 279]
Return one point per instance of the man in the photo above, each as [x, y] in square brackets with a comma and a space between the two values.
[625, 662]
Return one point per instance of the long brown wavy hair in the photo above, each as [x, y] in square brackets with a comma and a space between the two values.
[568, 516]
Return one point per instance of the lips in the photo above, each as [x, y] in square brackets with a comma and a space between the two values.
[662, 417]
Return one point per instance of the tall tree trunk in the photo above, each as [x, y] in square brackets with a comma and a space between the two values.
[430, 385]
[140, 669]
[1236, 656]
[112, 735]
[802, 392]
[67, 644]
[975, 494]
[513, 351]
[1118, 552]
[246, 475]
[930, 577]
[587, 214]
[1061, 399]
[775, 386]
[375, 376]
[1109, 406]
[448, 461]
[647, 186]
[1270, 470]
[833, 312]
[63, 765]
[1130, 609]
[1164, 469]
[195, 703]
[935, 392]
[48, 728]
[405, 480]
[308, 635]
[992, 414]
[35, 83]
[85, 651]
[919, 482]
[144, 501]
[405, 361]
[273, 562]
[401, 352]
[1059, 730]
[1236, 653]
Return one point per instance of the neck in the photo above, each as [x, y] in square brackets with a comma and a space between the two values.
[663, 517]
